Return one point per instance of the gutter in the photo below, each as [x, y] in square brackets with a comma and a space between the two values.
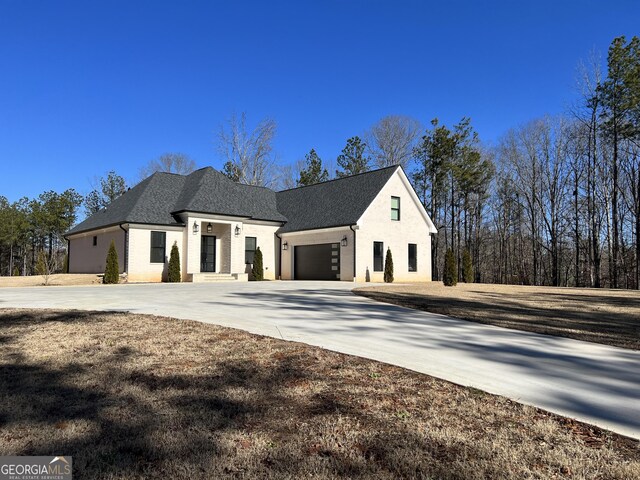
[126, 248]
[125, 222]
[354, 252]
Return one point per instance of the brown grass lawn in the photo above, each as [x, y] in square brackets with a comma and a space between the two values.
[611, 317]
[135, 396]
[57, 279]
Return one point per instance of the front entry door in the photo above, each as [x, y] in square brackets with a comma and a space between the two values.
[208, 254]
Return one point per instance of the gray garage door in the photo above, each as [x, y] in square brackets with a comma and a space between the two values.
[317, 262]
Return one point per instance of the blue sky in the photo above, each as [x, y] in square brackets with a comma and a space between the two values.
[88, 87]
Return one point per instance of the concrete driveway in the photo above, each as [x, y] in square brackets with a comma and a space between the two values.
[594, 383]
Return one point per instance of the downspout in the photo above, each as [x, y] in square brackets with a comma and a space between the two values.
[68, 256]
[354, 252]
[279, 256]
[126, 249]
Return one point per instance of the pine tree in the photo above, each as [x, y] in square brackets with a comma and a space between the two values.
[257, 271]
[111, 273]
[313, 171]
[173, 275]
[467, 267]
[620, 99]
[388, 267]
[450, 274]
[111, 187]
[352, 159]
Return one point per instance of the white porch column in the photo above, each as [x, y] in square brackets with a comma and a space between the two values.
[237, 248]
[193, 246]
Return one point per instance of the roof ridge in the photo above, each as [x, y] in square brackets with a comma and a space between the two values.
[169, 173]
[340, 178]
[255, 186]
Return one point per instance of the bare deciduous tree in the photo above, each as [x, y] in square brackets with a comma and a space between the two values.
[170, 163]
[286, 176]
[392, 139]
[248, 155]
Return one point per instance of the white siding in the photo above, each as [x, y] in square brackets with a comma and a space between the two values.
[376, 225]
[86, 258]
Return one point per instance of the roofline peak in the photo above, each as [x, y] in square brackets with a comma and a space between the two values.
[342, 178]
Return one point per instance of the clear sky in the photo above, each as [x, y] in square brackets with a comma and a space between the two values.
[92, 86]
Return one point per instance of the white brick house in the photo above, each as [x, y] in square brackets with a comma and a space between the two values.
[335, 230]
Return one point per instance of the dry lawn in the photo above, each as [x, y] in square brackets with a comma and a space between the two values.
[611, 317]
[59, 279]
[135, 396]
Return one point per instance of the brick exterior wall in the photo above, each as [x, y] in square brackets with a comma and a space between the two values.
[87, 258]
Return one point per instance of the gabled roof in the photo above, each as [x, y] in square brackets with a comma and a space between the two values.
[334, 203]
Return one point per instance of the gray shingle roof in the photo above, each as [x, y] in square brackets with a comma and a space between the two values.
[207, 190]
[331, 204]
[151, 201]
[156, 200]
[160, 197]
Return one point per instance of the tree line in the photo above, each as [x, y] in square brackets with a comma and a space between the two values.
[565, 208]
[31, 232]
[555, 201]
[32, 229]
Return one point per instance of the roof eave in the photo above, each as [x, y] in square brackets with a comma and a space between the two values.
[248, 217]
[102, 227]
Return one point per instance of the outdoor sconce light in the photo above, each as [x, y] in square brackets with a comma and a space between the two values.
[196, 227]
[209, 228]
[237, 231]
[285, 245]
[344, 241]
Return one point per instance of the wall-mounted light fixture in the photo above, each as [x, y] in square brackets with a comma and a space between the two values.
[237, 230]
[196, 228]
[285, 245]
[209, 228]
[344, 241]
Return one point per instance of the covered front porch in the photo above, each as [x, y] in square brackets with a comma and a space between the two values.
[214, 250]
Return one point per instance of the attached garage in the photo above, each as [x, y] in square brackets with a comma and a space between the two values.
[317, 262]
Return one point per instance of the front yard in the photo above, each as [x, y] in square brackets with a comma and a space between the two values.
[611, 317]
[136, 396]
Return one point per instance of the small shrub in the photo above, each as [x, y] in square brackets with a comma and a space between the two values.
[46, 266]
[111, 273]
[467, 267]
[16, 272]
[257, 271]
[174, 275]
[388, 267]
[41, 263]
[450, 274]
